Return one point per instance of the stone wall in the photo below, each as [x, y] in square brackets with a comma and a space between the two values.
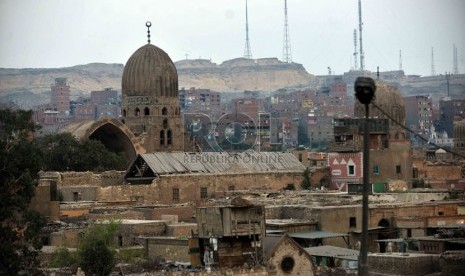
[402, 264]
[168, 248]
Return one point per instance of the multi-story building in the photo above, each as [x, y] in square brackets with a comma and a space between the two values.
[195, 100]
[108, 96]
[450, 110]
[60, 95]
[419, 113]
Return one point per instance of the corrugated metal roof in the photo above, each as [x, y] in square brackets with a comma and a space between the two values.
[162, 163]
[333, 251]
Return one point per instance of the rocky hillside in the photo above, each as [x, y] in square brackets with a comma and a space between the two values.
[237, 75]
[232, 75]
[82, 78]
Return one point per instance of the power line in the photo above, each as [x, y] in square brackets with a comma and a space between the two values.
[416, 134]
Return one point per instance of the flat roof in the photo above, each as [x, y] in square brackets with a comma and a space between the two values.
[316, 235]
[333, 251]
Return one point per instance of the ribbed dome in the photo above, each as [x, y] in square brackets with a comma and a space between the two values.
[150, 72]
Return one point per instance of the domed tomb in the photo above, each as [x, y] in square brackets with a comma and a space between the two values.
[150, 104]
[389, 99]
[150, 72]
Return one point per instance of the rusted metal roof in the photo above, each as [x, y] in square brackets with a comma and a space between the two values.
[162, 163]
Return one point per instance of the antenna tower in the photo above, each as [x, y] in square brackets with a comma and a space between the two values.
[247, 51]
[456, 65]
[287, 55]
[400, 60]
[433, 71]
[355, 50]
[362, 54]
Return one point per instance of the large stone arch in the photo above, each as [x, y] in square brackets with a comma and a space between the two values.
[115, 135]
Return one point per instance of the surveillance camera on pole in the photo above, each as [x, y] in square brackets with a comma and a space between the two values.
[365, 89]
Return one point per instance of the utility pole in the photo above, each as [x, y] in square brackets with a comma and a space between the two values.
[287, 55]
[247, 51]
[365, 89]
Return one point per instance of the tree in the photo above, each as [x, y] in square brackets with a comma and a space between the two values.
[63, 152]
[96, 252]
[20, 161]
[306, 184]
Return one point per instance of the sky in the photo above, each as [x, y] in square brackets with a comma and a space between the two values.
[62, 33]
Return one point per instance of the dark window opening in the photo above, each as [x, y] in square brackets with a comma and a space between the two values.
[398, 169]
[75, 196]
[137, 112]
[300, 157]
[352, 222]
[175, 194]
[146, 111]
[351, 170]
[53, 191]
[162, 137]
[124, 112]
[170, 137]
[120, 241]
[287, 264]
[164, 111]
[165, 123]
[441, 213]
[203, 192]
[376, 170]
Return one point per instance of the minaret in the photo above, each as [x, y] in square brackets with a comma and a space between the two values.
[287, 55]
[362, 54]
[247, 51]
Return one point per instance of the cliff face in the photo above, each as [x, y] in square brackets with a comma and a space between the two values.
[232, 75]
[241, 74]
[81, 78]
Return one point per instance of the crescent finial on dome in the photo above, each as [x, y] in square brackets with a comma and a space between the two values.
[148, 24]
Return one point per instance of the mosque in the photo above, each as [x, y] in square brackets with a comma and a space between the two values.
[151, 116]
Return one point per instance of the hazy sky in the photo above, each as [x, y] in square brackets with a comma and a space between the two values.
[60, 33]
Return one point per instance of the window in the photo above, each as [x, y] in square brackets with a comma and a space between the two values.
[124, 112]
[287, 264]
[137, 112]
[146, 111]
[175, 194]
[352, 222]
[441, 213]
[203, 192]
[169, 137]
[376, 170]
[164, 111]
[398, 169]
[300, 157]
[162, 137]
[351, 170]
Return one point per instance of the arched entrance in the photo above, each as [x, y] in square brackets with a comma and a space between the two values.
[113, 134]
[383, 234]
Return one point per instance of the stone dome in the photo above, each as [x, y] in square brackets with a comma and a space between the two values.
[150, 72]
[389, 99]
